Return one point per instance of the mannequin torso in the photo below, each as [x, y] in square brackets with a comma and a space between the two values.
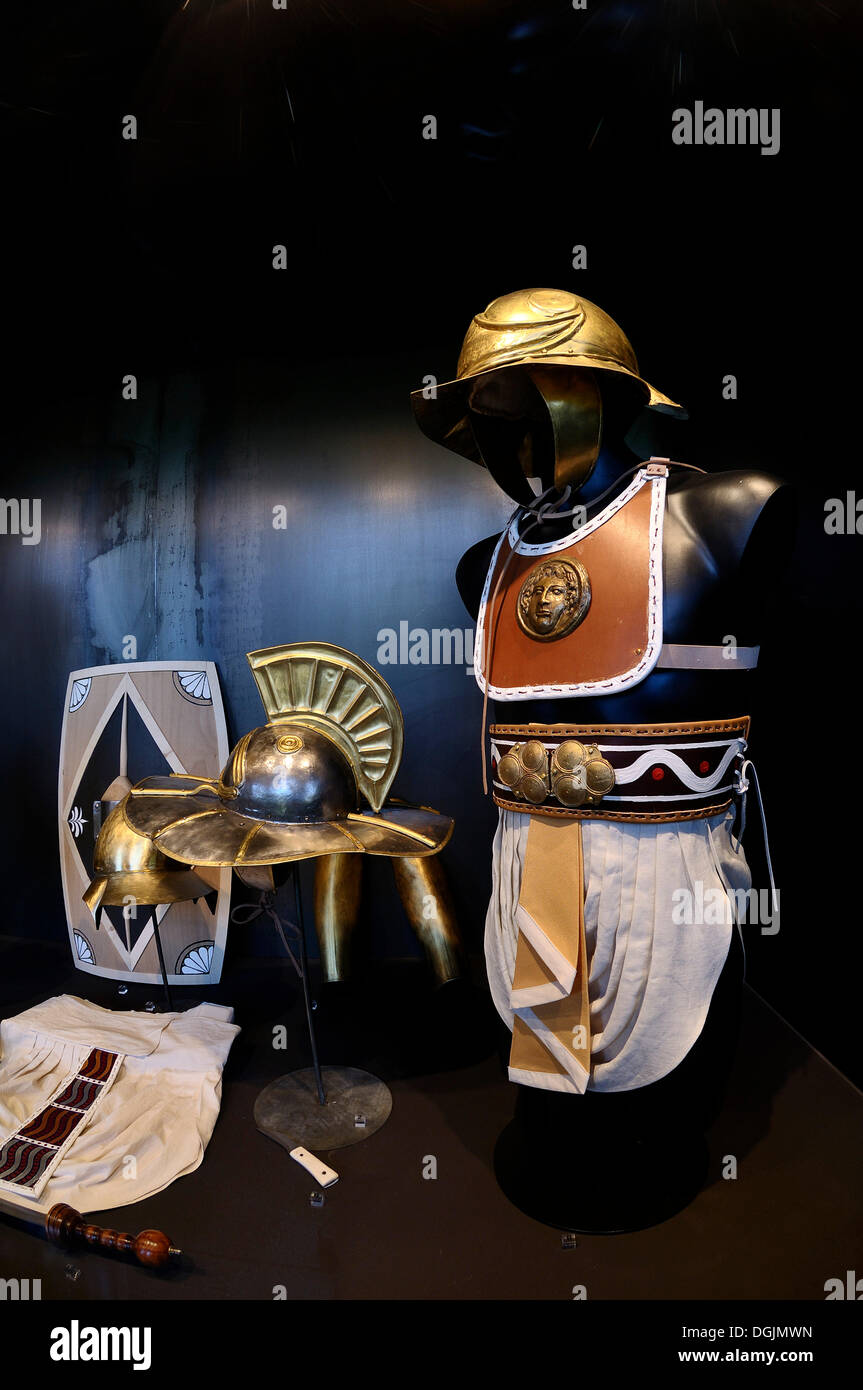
[725, 537]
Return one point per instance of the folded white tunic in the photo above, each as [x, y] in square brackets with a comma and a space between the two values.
[651, 977]
[101, 1108]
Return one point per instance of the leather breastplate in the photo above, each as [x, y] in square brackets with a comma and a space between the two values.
[581, 615]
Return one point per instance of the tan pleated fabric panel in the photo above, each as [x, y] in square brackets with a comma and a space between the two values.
[551, 1033]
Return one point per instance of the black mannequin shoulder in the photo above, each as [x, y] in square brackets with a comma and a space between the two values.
[739, 490]
[727, 508]
[471, 571]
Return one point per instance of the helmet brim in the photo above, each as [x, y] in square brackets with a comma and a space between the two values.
[186, 819]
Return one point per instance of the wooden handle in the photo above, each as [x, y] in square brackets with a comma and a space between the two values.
[65, 1226]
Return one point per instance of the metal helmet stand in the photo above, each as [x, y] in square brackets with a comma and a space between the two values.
[327, 1107]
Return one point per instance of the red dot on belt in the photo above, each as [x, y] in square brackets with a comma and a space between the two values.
[704, 765]
[658, 773]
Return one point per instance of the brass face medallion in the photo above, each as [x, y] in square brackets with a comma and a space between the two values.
[553, 599]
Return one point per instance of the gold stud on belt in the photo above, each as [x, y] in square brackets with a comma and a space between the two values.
[579, 774]
[524, 769]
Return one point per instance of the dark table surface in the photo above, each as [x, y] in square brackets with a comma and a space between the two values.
[788, 1222]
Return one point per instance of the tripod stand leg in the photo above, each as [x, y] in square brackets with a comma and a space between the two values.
[304, 961]
[157, 938]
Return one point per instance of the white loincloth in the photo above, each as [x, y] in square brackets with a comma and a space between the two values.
[155, 1118]
[652, 975]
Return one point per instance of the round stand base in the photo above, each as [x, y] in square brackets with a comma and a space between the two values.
[357, 1105]
[601, 1194]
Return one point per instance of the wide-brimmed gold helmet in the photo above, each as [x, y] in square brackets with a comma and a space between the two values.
[558, 340]
[128, 867]
[293, 788]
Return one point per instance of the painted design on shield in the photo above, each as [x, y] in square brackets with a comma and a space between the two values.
[196, 960]
[194, 686]
[124, 723]
[83, 949]
[78, 694]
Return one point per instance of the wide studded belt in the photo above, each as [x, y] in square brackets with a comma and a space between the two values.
[626, 772]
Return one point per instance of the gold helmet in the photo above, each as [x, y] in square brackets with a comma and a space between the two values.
[128, 866]
[555, 341]
[291, 788]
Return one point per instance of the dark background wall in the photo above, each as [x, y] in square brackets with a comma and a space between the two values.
[259, 387]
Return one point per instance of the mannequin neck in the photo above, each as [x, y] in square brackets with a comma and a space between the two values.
[614, 459]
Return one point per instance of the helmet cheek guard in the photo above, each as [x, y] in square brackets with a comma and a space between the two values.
[537, 422]
[574, 403]
[128, 867]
